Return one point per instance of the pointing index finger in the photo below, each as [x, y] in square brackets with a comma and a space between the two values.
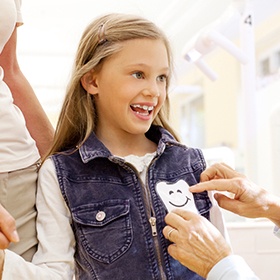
[216, 185]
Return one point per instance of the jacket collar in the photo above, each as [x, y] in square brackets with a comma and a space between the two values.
[93, 147]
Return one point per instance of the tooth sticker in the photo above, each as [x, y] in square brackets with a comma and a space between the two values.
[176, 196]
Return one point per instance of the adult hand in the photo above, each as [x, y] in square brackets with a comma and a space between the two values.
[249, 199]
[198, 244]
[8, 231]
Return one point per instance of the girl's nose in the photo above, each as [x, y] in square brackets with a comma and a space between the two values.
[152, 89]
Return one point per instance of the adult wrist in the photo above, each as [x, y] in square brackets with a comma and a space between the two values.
[273, 210]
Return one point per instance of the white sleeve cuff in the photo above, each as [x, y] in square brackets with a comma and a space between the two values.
[232, 267]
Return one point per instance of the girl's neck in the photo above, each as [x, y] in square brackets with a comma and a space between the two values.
[138, 145]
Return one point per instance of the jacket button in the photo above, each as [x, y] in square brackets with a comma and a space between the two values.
[100, 216]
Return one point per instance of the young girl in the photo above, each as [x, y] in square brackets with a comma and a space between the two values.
[113, 147]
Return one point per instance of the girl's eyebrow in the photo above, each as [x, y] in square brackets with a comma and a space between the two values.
[146, 65]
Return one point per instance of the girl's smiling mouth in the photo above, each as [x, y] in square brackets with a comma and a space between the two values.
[143, 110]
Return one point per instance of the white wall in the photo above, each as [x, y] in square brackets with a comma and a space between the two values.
[255, 242]
[268, 150]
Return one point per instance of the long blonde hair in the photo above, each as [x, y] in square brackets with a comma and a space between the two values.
[101, 39]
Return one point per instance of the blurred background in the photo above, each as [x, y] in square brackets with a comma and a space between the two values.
[225, 95]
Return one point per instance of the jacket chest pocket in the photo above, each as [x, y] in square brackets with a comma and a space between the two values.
[104, 229]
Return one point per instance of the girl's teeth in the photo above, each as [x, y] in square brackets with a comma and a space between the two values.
[144, 107]
[143, 114]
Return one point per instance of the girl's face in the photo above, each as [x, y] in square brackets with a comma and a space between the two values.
[131, 87]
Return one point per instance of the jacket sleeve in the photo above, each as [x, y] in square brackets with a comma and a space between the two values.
[232, 267]
[54, 259]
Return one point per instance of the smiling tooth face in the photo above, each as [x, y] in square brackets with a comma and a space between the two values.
[176, 196]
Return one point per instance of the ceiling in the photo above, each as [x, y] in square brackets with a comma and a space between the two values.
[60, 23]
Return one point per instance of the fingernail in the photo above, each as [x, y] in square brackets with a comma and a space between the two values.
[15, 237]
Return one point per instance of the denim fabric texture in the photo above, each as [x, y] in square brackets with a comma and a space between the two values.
[111, 211]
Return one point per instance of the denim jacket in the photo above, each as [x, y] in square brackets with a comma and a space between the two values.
[117, 221]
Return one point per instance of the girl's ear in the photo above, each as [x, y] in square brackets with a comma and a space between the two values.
[88, 82]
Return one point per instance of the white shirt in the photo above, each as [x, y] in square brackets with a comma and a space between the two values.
[10, 16]
[17, 150]
[232, 267]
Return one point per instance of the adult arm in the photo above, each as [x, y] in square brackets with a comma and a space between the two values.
[248, 200]
[54, 258]
[24, 97]
[199, 245]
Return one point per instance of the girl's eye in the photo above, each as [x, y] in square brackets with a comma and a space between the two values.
[162, 78]
[138, 75]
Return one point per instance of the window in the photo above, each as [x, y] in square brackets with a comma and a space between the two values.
[265, 67]
[269, 67]
[193, 123]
